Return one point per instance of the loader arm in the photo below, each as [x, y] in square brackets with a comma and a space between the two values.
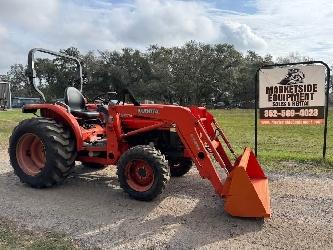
[195, 129]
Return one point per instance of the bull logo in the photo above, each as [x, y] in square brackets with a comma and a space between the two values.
[294, 76]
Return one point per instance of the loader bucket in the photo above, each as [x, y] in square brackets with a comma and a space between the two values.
[246, 188]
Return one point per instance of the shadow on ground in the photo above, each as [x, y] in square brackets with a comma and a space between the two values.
[91, 207]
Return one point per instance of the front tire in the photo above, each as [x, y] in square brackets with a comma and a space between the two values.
[42, 152]
[143, 172]
[180, 167]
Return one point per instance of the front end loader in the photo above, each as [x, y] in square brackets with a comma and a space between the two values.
[148, 143]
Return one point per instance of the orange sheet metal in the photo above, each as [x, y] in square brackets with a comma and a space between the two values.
[246, 189]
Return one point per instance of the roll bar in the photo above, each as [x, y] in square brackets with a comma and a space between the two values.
[31, 72]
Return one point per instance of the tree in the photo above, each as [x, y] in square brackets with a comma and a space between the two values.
[244, 89]
[161, 85]
[192, 74]
[19, 82]
[293, 57]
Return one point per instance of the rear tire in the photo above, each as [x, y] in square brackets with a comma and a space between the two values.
[49, 163]
[143, 172]
[180, 167]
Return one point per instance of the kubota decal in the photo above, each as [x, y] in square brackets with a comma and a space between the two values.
[148, 111]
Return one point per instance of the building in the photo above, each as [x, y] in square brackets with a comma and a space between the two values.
[5, 95]
[18, 102]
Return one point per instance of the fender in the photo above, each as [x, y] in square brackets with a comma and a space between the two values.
[59, 114]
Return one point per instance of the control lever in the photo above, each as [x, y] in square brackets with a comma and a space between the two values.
[102, 109]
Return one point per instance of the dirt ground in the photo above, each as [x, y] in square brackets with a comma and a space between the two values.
[95, 212]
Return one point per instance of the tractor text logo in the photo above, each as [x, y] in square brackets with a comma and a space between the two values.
[145, 111]
[294, 76]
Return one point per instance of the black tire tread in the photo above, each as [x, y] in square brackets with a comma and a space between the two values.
[185, 166]
[57, 139]
[151, 155]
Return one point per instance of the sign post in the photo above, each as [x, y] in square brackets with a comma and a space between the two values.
[292, 94]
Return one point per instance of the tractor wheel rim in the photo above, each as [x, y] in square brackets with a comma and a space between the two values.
[139, 175]
[30, 153]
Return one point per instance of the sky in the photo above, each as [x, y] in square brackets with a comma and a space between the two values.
[265, 26]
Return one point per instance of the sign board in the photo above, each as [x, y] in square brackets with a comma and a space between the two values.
[292, 95]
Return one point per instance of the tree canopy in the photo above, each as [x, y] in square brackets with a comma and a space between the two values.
[194, 73]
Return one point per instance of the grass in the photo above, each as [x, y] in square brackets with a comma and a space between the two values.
[276, 144]
[12, 238]
[8, 120]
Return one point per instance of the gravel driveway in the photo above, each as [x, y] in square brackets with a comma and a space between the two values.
[92, 209]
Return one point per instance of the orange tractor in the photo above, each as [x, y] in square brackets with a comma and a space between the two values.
[148, 143]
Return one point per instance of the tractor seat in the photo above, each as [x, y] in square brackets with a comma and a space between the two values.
[77, 104]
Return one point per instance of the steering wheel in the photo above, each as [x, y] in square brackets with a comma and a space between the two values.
[127, 92]
[105, 98]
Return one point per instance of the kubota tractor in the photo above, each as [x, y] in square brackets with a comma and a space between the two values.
[148, 143]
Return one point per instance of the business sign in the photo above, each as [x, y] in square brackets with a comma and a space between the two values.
[292, 95]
